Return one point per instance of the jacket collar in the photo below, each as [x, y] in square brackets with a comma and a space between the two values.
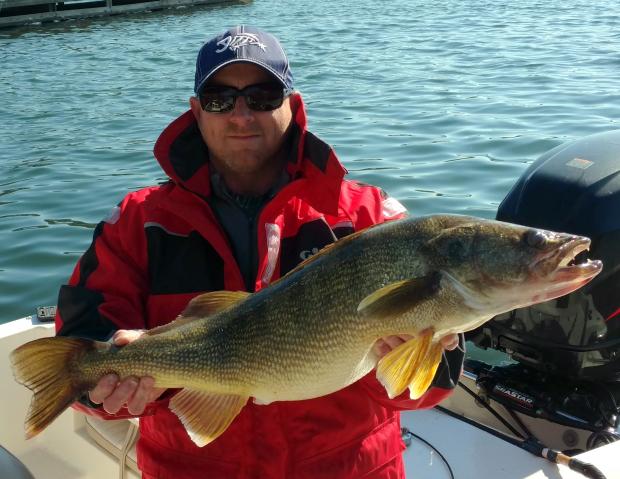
[184, 157]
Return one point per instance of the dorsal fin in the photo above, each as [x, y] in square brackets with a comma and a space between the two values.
[208, 304]
[202, 306]
[325, 250]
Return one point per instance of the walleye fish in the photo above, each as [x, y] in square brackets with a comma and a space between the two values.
[311, 332]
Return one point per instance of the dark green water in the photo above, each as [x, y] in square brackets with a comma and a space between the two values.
[442, 103]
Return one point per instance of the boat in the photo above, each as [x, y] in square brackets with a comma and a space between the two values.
[454, 440]
[15, 13]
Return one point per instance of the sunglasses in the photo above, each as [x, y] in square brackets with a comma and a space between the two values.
[259, 97]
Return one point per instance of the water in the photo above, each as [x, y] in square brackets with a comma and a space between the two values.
[442, 103]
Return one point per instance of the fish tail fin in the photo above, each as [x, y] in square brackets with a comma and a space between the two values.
[42, 366]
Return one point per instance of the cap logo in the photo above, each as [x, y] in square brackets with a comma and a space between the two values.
[238, 41]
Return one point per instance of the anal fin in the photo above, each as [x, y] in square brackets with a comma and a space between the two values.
[411, 365]
[206, 415]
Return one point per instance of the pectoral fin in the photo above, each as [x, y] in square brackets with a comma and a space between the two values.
[398, 298]
[411, 365]
[206, 415]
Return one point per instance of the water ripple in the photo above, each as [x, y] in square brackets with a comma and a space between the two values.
[441, 103]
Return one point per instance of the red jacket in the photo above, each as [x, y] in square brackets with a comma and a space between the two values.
[162, 246]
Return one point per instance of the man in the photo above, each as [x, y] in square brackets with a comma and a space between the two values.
[251, 193]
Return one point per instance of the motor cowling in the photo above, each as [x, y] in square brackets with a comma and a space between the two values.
[573, 188]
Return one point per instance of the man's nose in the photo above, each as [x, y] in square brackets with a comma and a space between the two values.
[241, 113]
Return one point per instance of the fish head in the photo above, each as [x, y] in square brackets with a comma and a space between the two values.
[497, 266]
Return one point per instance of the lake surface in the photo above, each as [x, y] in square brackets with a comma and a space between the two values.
[442, 103]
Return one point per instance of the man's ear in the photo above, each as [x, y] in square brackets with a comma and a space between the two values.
[194, 104]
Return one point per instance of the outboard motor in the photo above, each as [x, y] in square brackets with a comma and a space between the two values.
[574, 340]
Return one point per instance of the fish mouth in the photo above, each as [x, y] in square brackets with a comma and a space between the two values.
[566, 268]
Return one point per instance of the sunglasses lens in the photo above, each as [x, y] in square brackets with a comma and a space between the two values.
[264, 97]
[261, 97]
[215, 99]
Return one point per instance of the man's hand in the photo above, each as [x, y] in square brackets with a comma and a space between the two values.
[385, 345]
[133, 392]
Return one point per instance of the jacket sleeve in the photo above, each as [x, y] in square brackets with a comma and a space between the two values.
[108, 286]
[368, 205]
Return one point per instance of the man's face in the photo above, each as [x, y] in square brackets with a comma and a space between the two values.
[243, 142]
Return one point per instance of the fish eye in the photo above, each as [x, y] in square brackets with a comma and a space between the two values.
[535, 238]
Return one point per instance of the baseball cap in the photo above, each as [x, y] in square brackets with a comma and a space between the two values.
[243, 44]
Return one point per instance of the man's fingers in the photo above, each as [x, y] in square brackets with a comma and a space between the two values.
[450, 342]
[141, 396]
[385, 345]
[381, 348]
[104, 388]
[133, 392]
[146, 393]
[122, 337]
[394, 341]
[124, 391]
